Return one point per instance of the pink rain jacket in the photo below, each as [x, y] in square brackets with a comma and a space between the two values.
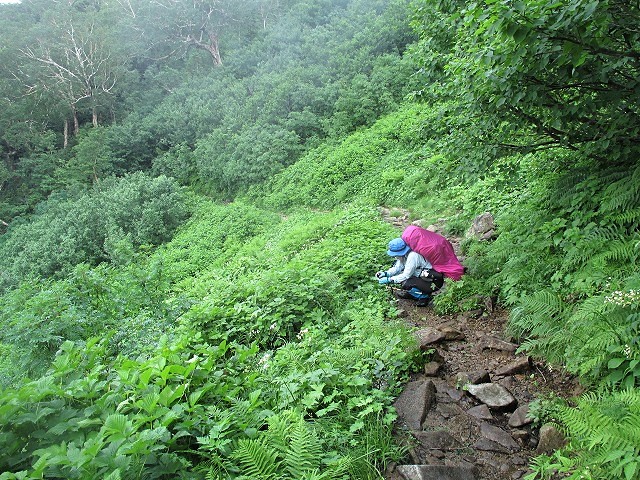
[435, 248]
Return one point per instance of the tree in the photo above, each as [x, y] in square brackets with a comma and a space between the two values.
[568, 69]
[175, 26]
[78, 68]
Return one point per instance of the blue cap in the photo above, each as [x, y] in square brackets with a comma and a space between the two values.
[397, 248]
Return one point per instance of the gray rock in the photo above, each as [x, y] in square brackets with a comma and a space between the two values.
[520, 365]
[493, 395]
[453, 393]
[414, 402]
[431, 369]
[551, 439]
[496, 434]
[482, 224]
[520, 417]
[521, 435]
[494, 343]
[480, 412]
[451, 333]
[428, 336]
[437, 472]
[489, 446]
[465, 378]
[437, 440]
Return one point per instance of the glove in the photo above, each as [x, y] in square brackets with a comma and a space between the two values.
[384, 281]
[381, 274]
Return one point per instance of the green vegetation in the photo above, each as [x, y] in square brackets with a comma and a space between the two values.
[190, 225]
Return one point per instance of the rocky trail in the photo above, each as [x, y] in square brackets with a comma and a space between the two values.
[464, 417]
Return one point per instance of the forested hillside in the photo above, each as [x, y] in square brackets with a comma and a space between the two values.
[189, 225]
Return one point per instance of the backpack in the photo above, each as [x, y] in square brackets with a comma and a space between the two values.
[436, 249]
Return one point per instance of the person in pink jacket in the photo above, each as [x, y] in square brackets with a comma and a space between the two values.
[412, 272]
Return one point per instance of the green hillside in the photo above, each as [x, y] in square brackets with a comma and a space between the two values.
[187, 283]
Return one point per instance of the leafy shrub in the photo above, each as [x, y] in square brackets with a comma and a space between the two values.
[136, 210]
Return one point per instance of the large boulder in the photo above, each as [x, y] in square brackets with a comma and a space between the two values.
[483, 227]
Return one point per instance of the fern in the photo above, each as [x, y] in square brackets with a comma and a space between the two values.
[602, 424]
[540, 318]
[289, 449]
[304, 450]
[258, 460]
[597, 328]
[624, 194]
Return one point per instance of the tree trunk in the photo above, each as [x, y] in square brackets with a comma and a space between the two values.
[211, 47]
[94, 117]
[76, 123]
[214, 50]
[66, 133]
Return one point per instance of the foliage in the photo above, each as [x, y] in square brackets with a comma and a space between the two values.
[604, 438]
[566, 69]
[91, 418]
[92, 227]
[200, 406]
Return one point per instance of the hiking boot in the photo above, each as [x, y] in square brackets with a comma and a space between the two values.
[423, 302]
[402, 294]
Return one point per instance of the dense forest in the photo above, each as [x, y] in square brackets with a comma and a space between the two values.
[189, 224]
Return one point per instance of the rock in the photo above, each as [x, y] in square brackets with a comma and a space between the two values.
[453, 393]
[437, 472]
[428, 336]
[490, 342]
[474, 378]
[481, 225]
[496, 434]
[489, 446]
[431, 369]
[520, 417]
[439, 454]
[490, 304]
[451, 333]
[449, 410]
[491, 234]
[493, 395]
[551, 439]
[520, 365]
[481, 412]
[438, 440]
[521, 435]
[414, 402]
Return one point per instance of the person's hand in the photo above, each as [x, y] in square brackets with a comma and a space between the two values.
[384, 280]
[381, 274]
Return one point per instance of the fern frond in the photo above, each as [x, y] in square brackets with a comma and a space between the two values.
[623, 194]
[623, 250]
[630, 217]
[304, 450]
[257, 460]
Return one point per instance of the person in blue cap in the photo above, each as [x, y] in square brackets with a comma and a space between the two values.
[412, 272]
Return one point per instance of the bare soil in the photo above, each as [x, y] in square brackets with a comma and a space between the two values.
[449, 412]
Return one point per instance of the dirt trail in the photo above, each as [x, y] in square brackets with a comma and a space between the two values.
[464, 417]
